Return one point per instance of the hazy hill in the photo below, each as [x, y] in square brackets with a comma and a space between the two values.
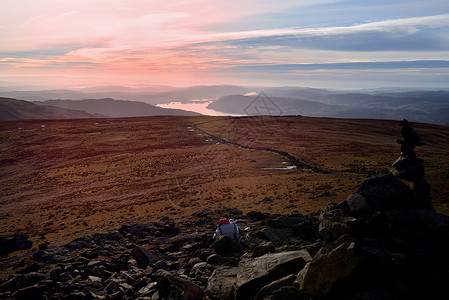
[12, 109]
[116, 108]
[152, 94]
[417, 105]
[297, 93]
[420, 106]
[238, 104]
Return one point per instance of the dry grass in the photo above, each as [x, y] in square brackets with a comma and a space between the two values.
[75, 177]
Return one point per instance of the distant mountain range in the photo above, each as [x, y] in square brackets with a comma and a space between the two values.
[153, 94]
[12, 109]
[116, 108]
[419, 106]
[415, 105]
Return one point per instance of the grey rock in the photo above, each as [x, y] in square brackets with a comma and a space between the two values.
[198, 269]
[386, 191]
[224, 245]
[113, 235]
[314, 248]
[147, 290]
[80, 243]
[357, 203]
[216, 259]
[160, 265]
[138, 230]
[286, 293]
[193, 261]
[94, 278]
[234, 211]
[220, 285]
[274, 234]
[143, 257]
[255, 273]
[169, 285]
[318, 277]
[275, 285]
[408, 168]
[334, 224]
[263, 249]
[213, 259]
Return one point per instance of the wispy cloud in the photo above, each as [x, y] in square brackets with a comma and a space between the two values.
[203, 37]
[415, 64]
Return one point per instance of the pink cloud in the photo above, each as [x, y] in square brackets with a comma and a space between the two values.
[156, 39]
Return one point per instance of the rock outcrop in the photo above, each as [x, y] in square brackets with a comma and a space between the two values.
[354, 252]
[382, 243]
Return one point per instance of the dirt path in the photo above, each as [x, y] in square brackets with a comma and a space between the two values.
[292, 159]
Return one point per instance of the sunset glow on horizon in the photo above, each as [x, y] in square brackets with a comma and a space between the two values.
[325, 43]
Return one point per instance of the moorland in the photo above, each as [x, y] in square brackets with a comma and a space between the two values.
[62, 179]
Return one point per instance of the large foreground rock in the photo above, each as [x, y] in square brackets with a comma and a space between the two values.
[319, 276]
[221, 284]
[255, 273]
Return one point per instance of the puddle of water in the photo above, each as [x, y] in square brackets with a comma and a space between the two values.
[283, 168]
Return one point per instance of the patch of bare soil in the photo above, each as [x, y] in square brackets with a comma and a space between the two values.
[67, 178]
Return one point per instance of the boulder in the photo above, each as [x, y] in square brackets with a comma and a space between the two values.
[80, 243]
[170, 285]
[143, 257]
[220, 285]
[408, 168]
[198, 269]
[319, 276]
[357, 203]
[224, 245]
[335, 222]
[255, 273]
[385, 192]
[160, 265]
[263, 249]
[286, 293]
[274, 234]
[213, 259]
[275, 285]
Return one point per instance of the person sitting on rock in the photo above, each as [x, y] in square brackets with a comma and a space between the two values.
[228, 228]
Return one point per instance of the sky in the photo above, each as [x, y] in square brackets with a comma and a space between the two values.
[316, 43]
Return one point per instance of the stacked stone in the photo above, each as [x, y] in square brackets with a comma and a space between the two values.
[409, 166]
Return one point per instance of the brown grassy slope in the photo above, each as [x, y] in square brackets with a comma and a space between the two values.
[79, 176]
[12, 109]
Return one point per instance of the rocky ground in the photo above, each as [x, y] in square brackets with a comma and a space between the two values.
[374, 245]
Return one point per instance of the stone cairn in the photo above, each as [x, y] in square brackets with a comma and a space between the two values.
[410, 167]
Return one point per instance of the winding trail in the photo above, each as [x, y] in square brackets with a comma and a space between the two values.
[293, 160]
